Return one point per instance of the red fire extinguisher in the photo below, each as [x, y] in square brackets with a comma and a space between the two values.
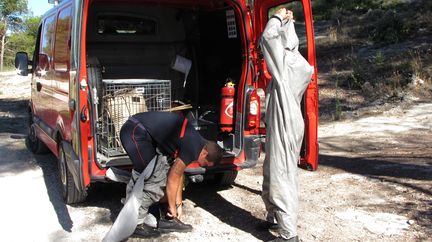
[227, 107]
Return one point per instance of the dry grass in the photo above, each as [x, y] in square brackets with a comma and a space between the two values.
[420, 72]
[361, 58]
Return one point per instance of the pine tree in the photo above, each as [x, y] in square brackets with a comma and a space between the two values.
[9, 18]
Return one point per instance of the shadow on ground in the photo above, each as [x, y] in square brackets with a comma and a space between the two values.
[205, 195]
[48, 164]
[411, 174]
[13, 116]
[101, 195]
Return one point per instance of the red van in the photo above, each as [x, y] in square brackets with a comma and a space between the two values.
[96, 62]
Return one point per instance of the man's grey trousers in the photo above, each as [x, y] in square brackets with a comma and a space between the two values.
[142, 191]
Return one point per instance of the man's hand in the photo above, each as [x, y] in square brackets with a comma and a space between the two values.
[173, 182]
[285, 14]
[179, 210]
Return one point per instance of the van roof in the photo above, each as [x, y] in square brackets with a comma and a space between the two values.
[203, 3]
[53, 9]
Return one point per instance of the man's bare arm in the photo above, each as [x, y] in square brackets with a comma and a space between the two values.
[179, 198]
[174, 180]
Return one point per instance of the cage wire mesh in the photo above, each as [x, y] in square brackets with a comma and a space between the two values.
[124, 98]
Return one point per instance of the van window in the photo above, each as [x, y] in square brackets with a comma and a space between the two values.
[115, 24]
[36, 50]
[48, 37]
[62, 39]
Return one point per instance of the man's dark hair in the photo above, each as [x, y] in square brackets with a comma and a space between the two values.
[215, 152]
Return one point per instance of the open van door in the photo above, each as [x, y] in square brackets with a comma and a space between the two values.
[263, 9]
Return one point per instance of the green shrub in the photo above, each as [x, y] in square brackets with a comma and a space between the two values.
[378, 59]
[358, 75]
[338, 106]
[323, 8]
[18, 42]
[388, 4]
[373, 15]
[392, 28]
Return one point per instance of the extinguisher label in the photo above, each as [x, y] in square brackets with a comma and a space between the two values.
[229, 108]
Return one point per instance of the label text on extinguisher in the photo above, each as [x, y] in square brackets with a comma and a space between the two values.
[229, 108]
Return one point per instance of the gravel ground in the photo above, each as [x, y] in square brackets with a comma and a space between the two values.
[374, 183]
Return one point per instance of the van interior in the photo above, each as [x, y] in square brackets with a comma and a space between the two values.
[191, 51]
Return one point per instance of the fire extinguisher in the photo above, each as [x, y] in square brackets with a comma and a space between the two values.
[227, 107]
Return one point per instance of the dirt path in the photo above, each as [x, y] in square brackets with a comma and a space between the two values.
[376, 173]
[374, 183]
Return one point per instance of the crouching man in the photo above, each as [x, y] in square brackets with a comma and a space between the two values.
[148, 139]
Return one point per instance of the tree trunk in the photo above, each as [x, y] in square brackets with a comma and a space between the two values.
[3, 45]
[2, 51]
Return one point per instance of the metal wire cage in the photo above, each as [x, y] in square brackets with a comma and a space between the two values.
[123, 98]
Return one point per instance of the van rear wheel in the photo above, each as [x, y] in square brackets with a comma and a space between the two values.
[226, 178]
[70, 193]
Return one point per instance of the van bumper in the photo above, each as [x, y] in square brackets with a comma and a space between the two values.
[251, 151]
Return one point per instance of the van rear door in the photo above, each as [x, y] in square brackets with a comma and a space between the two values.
[263, 9]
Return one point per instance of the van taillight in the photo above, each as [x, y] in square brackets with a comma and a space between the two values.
[254, 110]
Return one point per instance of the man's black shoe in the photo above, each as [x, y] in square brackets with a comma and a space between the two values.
[280, 239]
[266, 225]
[167, 225]
[146, 231]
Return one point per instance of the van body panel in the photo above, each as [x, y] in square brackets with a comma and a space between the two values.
[41, 82]
[61, 69]
[219, 37]
[85, 137]
[46, 138]
[310, 158]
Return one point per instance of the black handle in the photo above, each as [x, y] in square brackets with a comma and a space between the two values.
[38, 86]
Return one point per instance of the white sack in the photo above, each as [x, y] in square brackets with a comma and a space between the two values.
[127, 220]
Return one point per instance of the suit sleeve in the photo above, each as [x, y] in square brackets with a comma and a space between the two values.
[272, 48]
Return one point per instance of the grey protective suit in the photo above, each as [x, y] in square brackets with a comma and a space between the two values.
[291, 74]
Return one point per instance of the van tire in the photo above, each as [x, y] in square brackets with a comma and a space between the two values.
[226, 178]
[70, 193]
[33, 142]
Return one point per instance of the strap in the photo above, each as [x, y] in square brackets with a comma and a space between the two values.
[277, 17]
[182, 132]
[148, 171]
[185, 121]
